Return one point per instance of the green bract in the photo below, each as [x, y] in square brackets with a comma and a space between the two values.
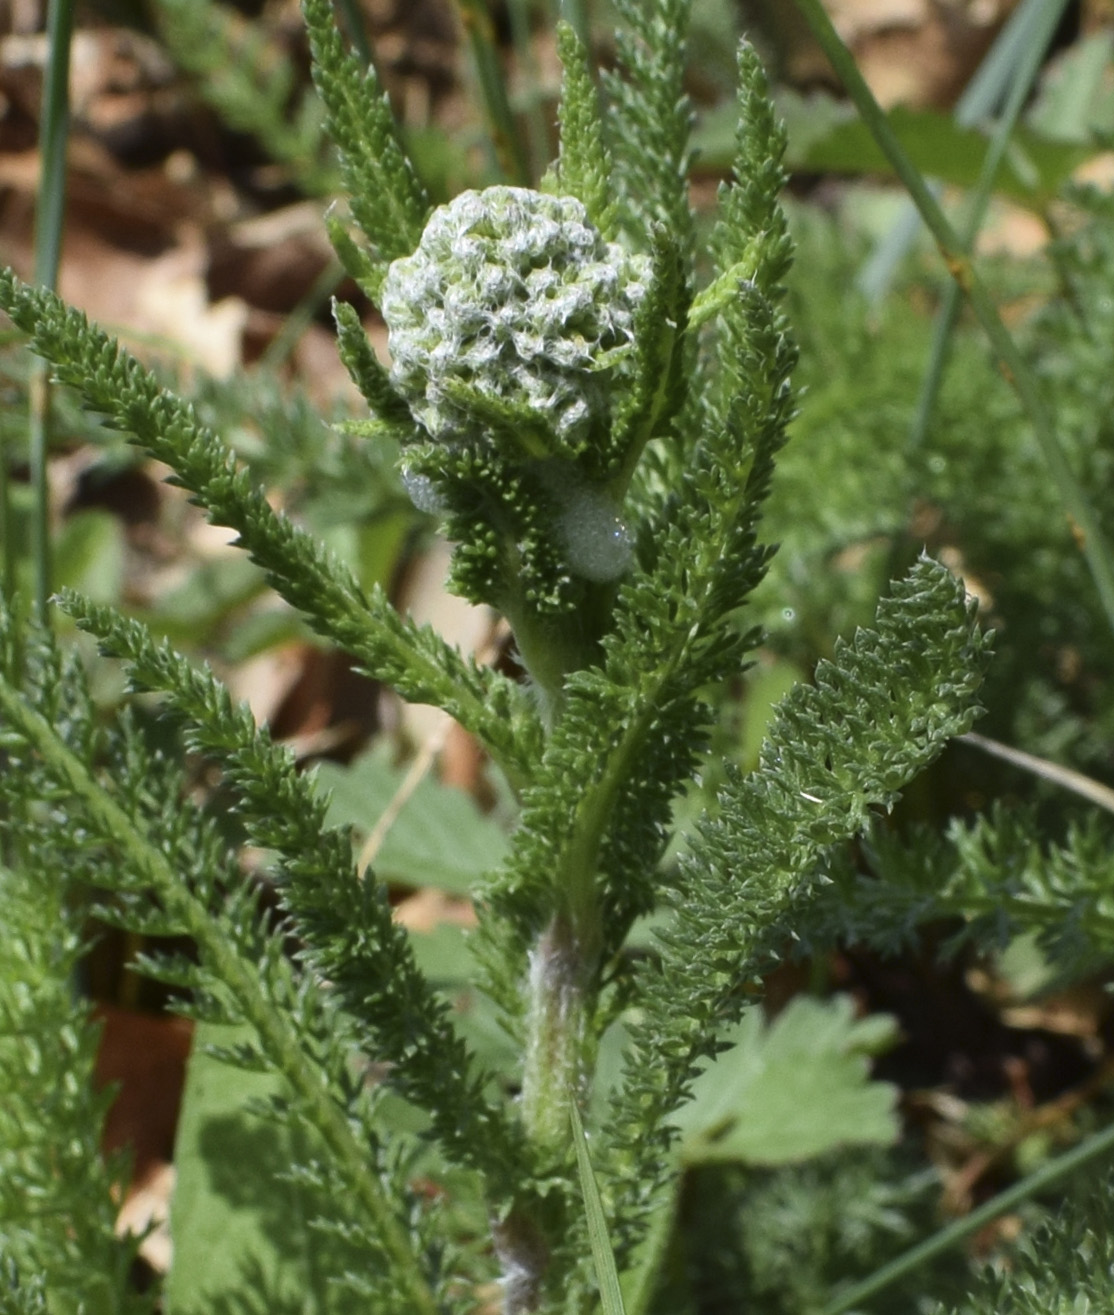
[512, 299]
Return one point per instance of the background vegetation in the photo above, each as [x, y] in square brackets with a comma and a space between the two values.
[956, 1042]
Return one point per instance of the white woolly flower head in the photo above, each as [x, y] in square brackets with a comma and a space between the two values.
[515, 296]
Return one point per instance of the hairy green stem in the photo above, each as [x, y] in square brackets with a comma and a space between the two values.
[1098, 554]
[524, 1256]
[565, 961]
[551, 649]
[276, 1035]
[554, 1070]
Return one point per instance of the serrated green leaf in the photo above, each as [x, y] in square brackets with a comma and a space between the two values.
[792, 1089]
[439, 838]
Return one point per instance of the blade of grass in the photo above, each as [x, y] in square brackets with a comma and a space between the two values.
[1041, 20]
[537, 131]
[607, 1276]
[1012, 364]
[1084, 786]
[575, 13]
[49, 213]
[1091, 1148]
[985, 92]
[641, 1289]
[509, 150]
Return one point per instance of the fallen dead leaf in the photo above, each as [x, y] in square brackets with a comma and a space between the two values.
[146, 1212]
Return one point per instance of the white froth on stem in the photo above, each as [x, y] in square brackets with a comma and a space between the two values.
[596, 540]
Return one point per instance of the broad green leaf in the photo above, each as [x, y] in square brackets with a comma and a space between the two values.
[237, 1226]
[792, 1089]
[439, 838]
[825, 137]
[89, 555]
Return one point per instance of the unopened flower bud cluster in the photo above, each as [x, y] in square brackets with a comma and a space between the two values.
[517, 296]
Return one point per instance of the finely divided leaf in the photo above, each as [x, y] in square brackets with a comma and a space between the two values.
[387, 199]
[652, 119]
[878, 713]
[418, 663]
[584, 169]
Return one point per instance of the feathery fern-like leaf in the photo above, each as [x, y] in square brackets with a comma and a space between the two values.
[344, 918]
[1066, 1267]
[584, 167]
[629, 730]
[652, 119]
[384, 193]
[415, 661]
[369, 376]
[878, 713]
[246, 971]
[58, 1196]
[250, 82]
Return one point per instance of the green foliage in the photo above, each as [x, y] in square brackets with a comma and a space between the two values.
[384, 193]
[826, 139]
[170, 871]
[595, 416]
[249, 81]
[306, 574]
[852, 496]
[651, 120]
[836, 751]
[1001, 874]
[584, 166]
[1066, 1267]
[19, 1296]
[780, 1240]
[238, 1226]
[437, 838]
[57, 1196]
[346, 920]
[607, 1277]
[793, 1090]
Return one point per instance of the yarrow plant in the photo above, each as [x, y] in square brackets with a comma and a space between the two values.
[512, 332]
[597, 435]
[514, 300]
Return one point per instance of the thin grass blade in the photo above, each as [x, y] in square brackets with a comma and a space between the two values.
[607, 1275]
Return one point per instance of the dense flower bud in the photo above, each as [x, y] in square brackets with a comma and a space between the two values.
[514, 297]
